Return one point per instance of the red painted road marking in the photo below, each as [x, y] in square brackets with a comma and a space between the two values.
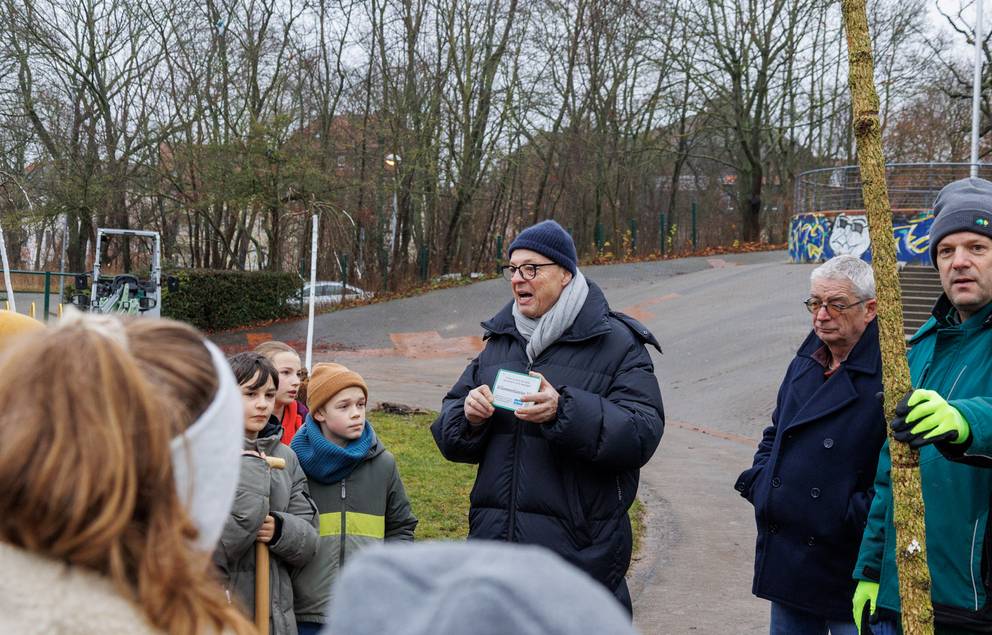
[727, 436]
[430, 345]
[254, 339]
[418, 345]
[720, 263]
[639, 311]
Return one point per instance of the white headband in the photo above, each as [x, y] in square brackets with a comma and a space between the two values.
[206, 457]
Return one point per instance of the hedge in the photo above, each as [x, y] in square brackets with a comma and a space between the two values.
[215, 300]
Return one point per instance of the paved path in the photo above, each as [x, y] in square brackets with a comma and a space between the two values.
[728, 326]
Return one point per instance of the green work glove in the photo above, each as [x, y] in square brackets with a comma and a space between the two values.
[865, 597]
[924, 417]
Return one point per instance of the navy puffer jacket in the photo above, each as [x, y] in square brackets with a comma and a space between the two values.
[565, 485]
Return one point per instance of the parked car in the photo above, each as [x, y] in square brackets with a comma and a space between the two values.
[329, 292]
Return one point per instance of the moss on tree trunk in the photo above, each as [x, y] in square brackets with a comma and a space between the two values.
[907, 497]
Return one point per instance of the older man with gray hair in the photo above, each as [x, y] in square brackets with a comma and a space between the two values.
[811, 481]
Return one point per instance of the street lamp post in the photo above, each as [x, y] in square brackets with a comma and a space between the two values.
[3, 246]
[976, 88]
[319, 207]
[392, 162]
[313, 290]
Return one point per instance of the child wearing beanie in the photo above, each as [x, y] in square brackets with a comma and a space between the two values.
[353, 481]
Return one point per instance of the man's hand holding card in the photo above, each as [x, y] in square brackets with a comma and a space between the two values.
[542, 405]
[530, 397]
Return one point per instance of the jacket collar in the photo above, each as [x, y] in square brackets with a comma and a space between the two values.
[593, 319]
[944, 315]
[838, 391]
[863, 358]
[268, 437]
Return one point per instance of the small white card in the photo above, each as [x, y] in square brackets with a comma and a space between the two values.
[510, 387]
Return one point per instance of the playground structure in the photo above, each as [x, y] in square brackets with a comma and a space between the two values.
[830, 217]
[124, 293]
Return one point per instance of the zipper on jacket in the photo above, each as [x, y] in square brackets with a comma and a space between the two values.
[971, 562]
[513, 477]
[344, 512]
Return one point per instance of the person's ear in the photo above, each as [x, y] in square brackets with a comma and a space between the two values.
[318, 415]
[871, 309]
[566, 277]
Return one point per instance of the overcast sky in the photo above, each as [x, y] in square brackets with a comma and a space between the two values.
[967, 9]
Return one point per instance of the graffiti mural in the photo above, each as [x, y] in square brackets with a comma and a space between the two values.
[808, 235]
[849, 235]
[913, 237]
[818, 237]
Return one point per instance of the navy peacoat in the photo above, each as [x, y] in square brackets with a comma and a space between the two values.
[811, 482]
[565, 485]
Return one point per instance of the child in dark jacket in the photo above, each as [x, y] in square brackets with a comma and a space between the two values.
[354, 482]
[271, 506]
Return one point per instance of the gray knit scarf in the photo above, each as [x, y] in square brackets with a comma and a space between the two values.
[542, 332]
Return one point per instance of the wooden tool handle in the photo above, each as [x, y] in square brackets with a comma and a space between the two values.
[262, 600]
[262, 588]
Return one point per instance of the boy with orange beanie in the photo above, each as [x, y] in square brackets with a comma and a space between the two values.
[354, 482]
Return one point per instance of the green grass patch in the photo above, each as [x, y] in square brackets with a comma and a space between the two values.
[439, 489]
[636, 513]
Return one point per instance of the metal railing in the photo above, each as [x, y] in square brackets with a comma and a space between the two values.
[46, 290]
[911, 185]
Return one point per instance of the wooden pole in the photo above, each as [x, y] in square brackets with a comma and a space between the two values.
[907, 496]
[262, 600]
[262, 568]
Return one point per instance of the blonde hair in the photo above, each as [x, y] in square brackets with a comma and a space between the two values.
[87, 477]
[273, 347]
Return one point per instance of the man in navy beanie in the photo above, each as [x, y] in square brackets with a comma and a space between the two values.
[948, 417]
[558, 467]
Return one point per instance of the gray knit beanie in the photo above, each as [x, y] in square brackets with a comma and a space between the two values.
[962, 206]
[478, 587]
[549, 239]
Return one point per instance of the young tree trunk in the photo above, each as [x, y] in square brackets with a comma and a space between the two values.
[907, 497]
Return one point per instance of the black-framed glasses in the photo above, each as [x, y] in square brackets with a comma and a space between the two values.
[833, 308]
[527, 272]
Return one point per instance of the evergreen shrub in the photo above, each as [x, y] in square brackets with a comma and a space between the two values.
[215, 300]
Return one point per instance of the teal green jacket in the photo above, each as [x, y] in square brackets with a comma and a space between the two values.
[955, 360]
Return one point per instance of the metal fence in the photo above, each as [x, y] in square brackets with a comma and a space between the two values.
[36, 293]
[912, 186]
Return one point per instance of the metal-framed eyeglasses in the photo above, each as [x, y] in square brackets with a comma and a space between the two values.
[833, 308]
[527, 271]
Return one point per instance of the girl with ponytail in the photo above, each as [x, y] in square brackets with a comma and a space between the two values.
[101, 482]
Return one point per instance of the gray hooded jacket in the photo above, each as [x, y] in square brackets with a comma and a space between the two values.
[283, 494]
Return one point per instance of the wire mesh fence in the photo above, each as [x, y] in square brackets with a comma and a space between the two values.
[912, 186]
[829, 216]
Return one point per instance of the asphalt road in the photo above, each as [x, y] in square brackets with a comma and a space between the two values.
[728, 326]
